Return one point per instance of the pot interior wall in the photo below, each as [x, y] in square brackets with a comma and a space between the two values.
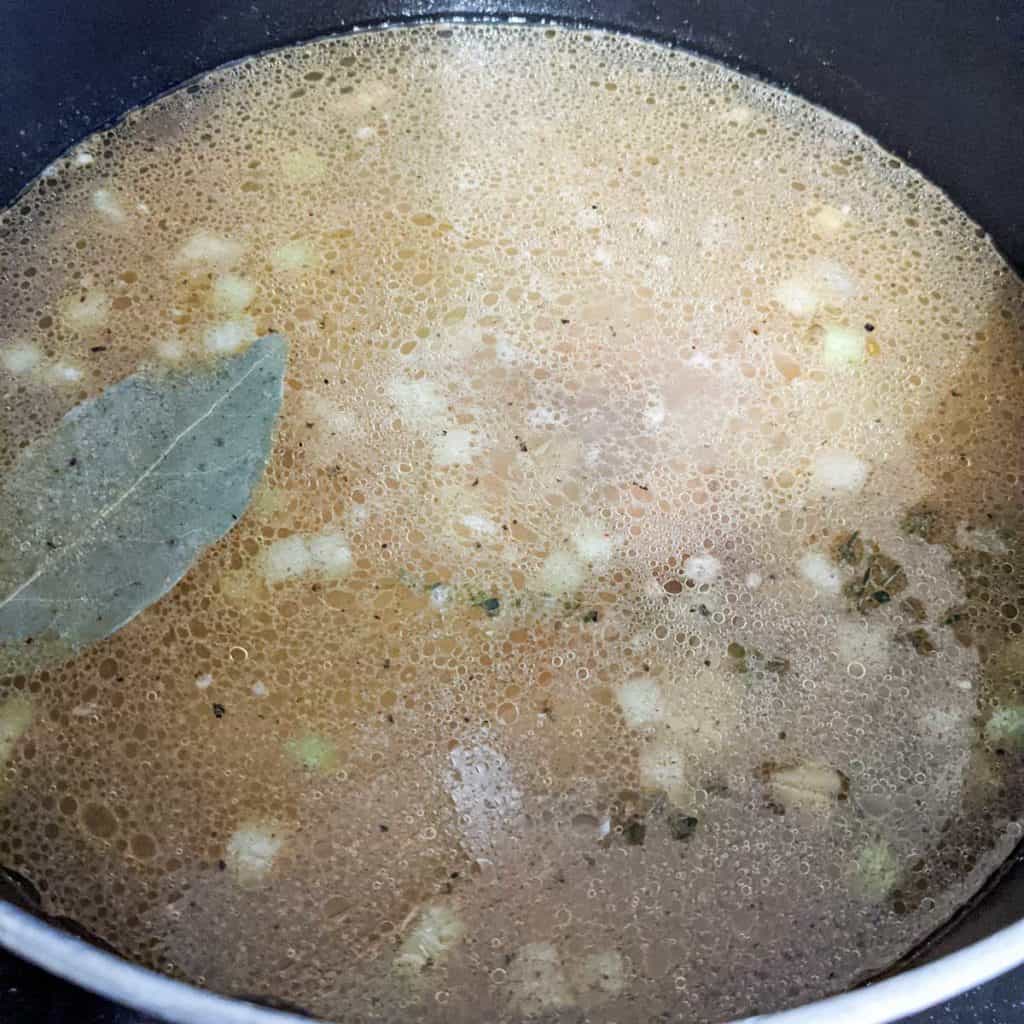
[937, 85]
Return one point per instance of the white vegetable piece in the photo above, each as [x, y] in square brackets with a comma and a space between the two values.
[807, 787]
[702, 568]
[286, 559]
[171, 350]
[539, 980]
[738, 115]
[436, 931]
[603, 973]
[819, 571]
[232, 294]
[205, 248]
[15, 718]
[479, 524]
[843, 347]
[641, 701]
[455, 447]
[109, 206]
[797, 298]
[420, 402]
[230, 336]
[330, 555]
[832, 281]
[64, 373]
[85, 311]
[593, 543]
[326, 555]
[18, 359]
[440, 597]
[251, 851]
[876, 870]
[303, 165]
[297, 255]
[561, 573]
[829, 220]
[836, 470]
[654, 415]
[822, 282]
[983, 538]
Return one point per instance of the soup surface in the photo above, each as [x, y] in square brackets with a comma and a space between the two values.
[627, 620]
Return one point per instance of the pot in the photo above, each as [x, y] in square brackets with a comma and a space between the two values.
[938, 85]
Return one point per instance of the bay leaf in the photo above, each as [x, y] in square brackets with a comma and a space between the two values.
[103, 516]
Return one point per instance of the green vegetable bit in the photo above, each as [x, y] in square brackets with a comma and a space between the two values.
[1006, 728]
[313, 752]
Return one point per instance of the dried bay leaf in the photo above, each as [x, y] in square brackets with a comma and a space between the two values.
[102, 517]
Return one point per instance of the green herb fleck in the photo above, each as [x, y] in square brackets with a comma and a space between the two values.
[634, 832]
[491, 605]
[851, 550]
[1006, 728]
[592, 616]
[922, 521]
[882, 579]
[914, 607]
[921, 641]
[681, 825]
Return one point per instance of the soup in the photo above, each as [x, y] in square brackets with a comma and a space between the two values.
[620, 614]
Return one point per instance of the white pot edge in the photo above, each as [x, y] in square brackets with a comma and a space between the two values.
[145, 990]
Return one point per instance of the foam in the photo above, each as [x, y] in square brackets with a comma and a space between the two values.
[600, 356]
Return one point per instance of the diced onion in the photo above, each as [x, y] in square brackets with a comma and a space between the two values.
[593, 543]
[296, 255]
[538, 980]
[843, 347]
[876, 870]
[109, 206]
[436, 931]
[203, 247]
[641, 701]
[839, 470]
[807, 787]
[232, 293]
[86, 311]
[603, 972]
[829, 220]
[455, 447]
[702, 568]
[230, 336]
[561, 573]
[325, 555]
[251, 851]
[19, 359]
[819, 571]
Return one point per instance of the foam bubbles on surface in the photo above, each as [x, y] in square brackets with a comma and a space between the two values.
[630, 619]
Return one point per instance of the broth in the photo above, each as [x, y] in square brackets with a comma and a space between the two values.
[627, 621]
